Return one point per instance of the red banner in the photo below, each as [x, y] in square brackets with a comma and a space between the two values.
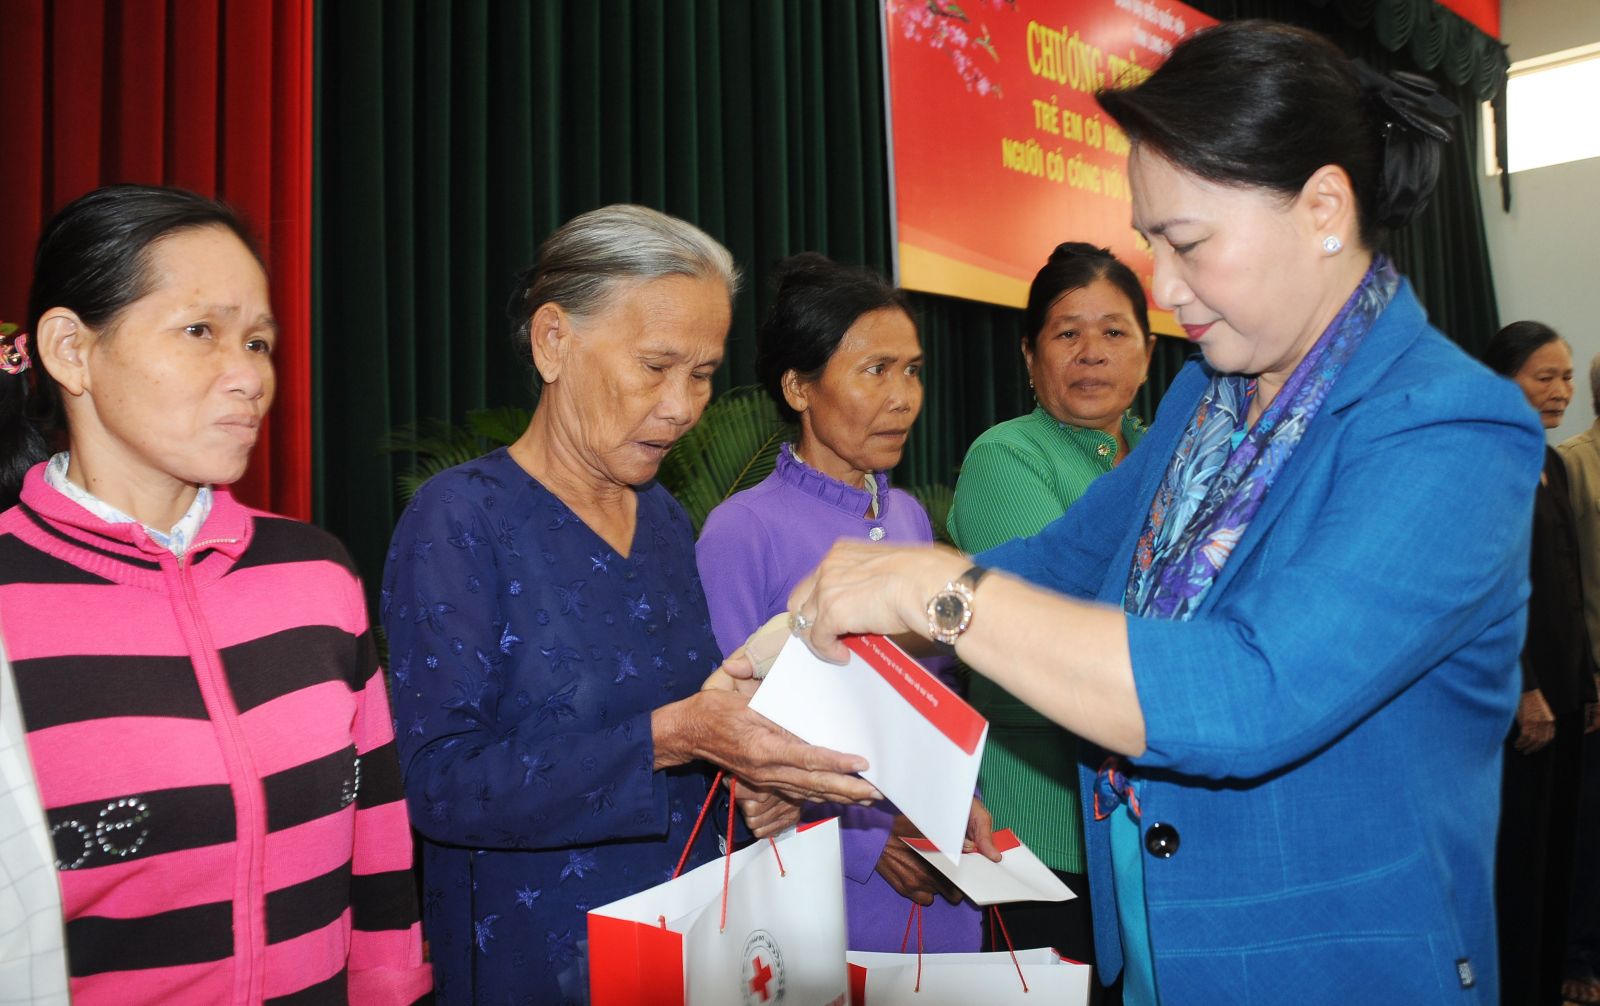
[1485, 14]
[999, 150]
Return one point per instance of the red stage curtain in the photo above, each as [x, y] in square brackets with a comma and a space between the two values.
[1485, 14]
[211, 95]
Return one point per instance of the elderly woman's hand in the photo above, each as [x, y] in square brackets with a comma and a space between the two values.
[743, 669]
[732, 676]
[762, 648]
[914, 877]
[719, 727]
[1536, 724]
[980, 832]
[864, 587]
[766, 813]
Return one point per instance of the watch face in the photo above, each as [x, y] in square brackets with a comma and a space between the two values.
[948, 609]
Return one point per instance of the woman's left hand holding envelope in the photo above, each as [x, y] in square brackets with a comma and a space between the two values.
[764, 813]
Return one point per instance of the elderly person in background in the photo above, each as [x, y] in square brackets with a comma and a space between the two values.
[1543, 761]
[548, 632]
[1292, 668]
[840, 357]
[1087, 344]
[1582, 456]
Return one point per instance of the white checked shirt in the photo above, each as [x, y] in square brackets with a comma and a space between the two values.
[175, 540]
[33, 959]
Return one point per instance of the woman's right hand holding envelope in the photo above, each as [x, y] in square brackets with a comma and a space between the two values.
[743, 669]
[913, 876]
[717, 725]
[907, 872]
[766, 811]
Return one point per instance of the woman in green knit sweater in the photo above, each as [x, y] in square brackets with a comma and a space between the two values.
[1087, 348]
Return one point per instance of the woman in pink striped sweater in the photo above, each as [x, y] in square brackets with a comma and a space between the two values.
[203, 703]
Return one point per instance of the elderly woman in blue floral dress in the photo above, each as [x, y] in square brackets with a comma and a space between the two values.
[549, 637]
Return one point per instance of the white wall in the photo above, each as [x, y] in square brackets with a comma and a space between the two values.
[1546, 252]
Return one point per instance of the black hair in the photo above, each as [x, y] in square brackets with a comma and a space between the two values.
[1072, 266]
[93, 259]
[1509, 348]
[1265, 105]
[816, 301]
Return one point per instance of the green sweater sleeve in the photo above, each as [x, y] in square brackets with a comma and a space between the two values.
[1029, 771]
[1002, 493]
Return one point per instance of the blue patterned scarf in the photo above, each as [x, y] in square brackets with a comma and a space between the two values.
[1212, 489]
[1216, 481]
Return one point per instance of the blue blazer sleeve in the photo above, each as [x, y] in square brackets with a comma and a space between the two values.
[1417, 541]
[490, 757]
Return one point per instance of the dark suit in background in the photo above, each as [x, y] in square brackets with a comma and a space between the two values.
[1538, 820]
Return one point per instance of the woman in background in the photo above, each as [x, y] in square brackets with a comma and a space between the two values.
[1087, 345]
[840, 357]
[1581, 454]
[1543, 757]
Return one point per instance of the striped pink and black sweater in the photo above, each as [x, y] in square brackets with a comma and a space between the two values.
[216, 758]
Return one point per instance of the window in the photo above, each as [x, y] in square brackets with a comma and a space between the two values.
[1550, 103]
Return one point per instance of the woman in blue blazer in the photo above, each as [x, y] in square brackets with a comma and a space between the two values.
[1288, 624]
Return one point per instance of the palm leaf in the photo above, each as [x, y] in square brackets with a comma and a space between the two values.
[733, 447]
[936, 498]
[437, 446]
[500, 427]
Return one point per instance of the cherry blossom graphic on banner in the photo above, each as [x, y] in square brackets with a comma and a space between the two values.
[998, 149]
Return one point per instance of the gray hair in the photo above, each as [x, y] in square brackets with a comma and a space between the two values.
[581, 265]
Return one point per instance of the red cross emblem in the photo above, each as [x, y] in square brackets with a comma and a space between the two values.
[763, 975]
[762, 971]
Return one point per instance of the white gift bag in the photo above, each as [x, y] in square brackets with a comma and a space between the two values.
[762, 925]
[1025, 977]
[963, 979]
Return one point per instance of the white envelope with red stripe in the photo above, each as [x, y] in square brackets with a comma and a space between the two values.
[923, 742]
[1019, 876]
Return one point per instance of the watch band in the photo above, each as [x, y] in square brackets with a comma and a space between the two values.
[973, 574]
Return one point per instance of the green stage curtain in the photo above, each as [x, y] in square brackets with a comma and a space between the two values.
[452, 137]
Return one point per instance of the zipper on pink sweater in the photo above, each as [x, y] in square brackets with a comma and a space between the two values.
[197, 546]
[242, 780]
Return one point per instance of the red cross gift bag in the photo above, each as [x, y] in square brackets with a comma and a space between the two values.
[761, 925]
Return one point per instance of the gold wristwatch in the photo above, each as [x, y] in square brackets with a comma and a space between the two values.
[950, 610]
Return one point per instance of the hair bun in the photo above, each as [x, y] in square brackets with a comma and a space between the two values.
[1078, 249]
[1412, 119]
[804, 267]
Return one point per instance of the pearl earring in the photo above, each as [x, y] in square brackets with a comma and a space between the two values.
[1332, 245]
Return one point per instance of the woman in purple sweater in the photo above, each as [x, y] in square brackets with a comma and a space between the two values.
[840, 356]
